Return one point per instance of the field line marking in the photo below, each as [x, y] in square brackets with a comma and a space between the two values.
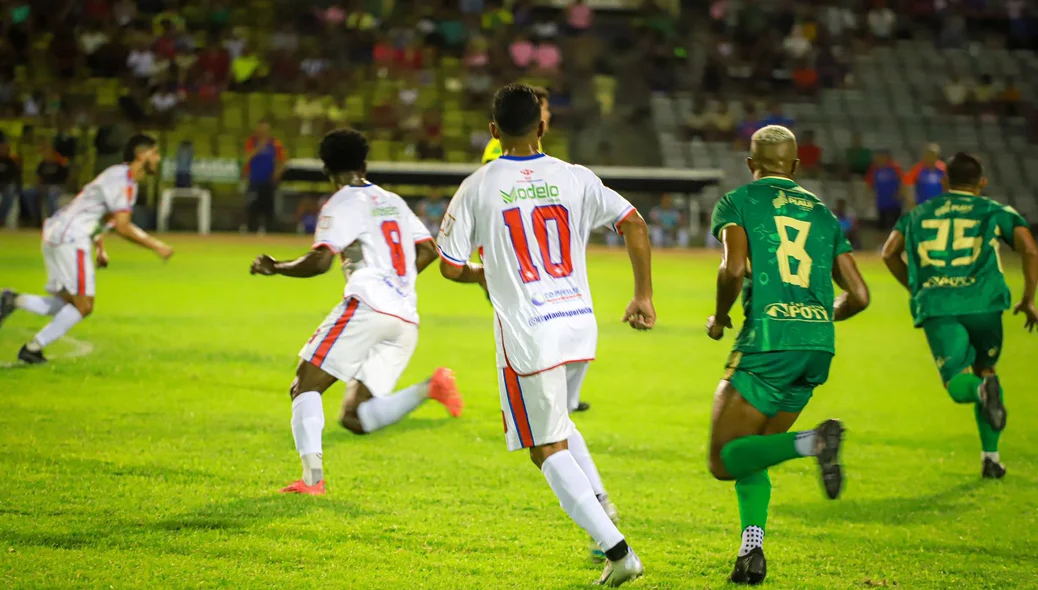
[79, 348]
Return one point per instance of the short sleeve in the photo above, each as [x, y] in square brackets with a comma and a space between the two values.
[457, 230]
[902, 224]
[1008, 220]
[726, 213]
[419, 233]
[338, 226]
[603, 207]
[119, 196]
[843, 245]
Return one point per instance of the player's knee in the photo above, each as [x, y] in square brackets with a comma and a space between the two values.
[717, 468]
[351, 421]
[293, 390]
[85, 305]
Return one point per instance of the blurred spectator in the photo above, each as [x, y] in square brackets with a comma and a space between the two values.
[749, 125]
[1020, 27]
[697, 122]
[857, 158]
[521, 50]
[111, 59]
[247, 70]
[548, 58]
[956, 93]
[848, 223]
[142, 63]
[884, 178]
[311, 110]
[208, 91]
[882, 21]
[360, 19]
[603, 84]
[544, 27]
[384, 115]
[476, 54]
[579, 17]
[217, 61]
[796, 45]
[285, 39]
[111, 136]
[164, 103]
[431, 212]
[926, 179]
[430, 144]
[472, 6]
[810, 155]
[10, 180]
[478, 83]
[984, 94]
[1010, 97]
[7, 90]
[32, 104]
[264, 163]
[307, 213]
[953, 28]
[777, 116]
[51, 176]
[721, 125]
[166, 44]
[830, 71]
[184, 159]
[284, 69]
[805, 77]
[452, 31]
[667, 224]
[63, 52]
[498, 16]
[839, 19]
[124, 12]
[96, 11]
[65, 143]
[235, 44]
[314, 65]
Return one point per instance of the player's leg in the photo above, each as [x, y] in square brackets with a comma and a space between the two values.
[985, 332]
[574, 383]
[72, 266]
[536, 418]
[308, 425]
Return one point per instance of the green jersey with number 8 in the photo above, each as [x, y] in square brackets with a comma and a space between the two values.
[954, 266]
[794, 240]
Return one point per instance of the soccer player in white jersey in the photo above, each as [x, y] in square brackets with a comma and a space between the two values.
[531, 214]
[370, 335]
[68, 243]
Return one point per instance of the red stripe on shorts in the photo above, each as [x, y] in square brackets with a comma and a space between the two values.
[334, 333]
[518, 407]
[81, 272]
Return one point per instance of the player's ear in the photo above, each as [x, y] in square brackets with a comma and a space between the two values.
[794, 166]
[540, 129]
[982, 184]
[494, 131]
[749, 164]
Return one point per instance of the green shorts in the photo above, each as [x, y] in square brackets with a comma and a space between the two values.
[962, 342]
[780, 381]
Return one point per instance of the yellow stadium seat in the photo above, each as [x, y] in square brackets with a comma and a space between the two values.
[229, 146]
[258, 107]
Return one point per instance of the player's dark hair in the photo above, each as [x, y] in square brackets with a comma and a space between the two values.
[344, 150]
[964, 170]
[517, 110]
[135, 144]
[541, 92]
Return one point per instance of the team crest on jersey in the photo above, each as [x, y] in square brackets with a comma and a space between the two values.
[446, 226]
[325, 222]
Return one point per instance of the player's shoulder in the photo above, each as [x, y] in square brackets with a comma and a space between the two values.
[347, 197]
[118, 173]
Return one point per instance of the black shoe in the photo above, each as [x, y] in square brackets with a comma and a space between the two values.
[993, 469]
[830, 435]
[750, 569]
[991, 403]
[6, 304]
[32, 358]
[582, 407]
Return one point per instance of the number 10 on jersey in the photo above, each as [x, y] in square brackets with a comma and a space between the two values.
[540, 217]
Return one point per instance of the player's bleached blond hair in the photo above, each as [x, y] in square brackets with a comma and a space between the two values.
[772, 135]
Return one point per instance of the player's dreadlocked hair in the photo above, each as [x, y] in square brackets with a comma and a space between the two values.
[964, 170]
[517, 110]
[343, 150]
[137, 142]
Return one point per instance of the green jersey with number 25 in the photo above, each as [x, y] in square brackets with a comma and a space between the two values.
[794, 239]
[954, 265]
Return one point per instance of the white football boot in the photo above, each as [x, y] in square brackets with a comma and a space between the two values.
[625, 570]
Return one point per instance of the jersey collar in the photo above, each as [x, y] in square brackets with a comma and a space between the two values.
[524, 158]
[777, 179]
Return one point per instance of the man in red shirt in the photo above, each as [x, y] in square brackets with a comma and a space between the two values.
[215, 59]
[810, 155]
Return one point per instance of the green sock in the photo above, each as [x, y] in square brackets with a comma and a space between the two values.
[963, 388]
[745, 456]
[988, 435]
[754, 493]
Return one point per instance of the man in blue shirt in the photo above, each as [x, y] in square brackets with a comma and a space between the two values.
[777, 117]
[926, 178]
[884, 178]
[264, 162]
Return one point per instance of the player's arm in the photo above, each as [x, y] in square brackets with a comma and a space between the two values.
[640, 313]
[313, 263]
[126, 228]
[893, 251]
[470, 272]
[424, 254]
[1023, 243]
[855, 296]
[735, 250]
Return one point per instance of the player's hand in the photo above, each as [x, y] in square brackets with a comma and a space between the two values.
[640, 314]
[165, 251]
[347, 266]
[263, 265]
[715, 326]
[1030, 314]
[102, 259]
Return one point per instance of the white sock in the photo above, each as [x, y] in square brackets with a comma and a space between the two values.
[39, 304]
[379, 412]
[987, 455]
[63, 321]
[581, 454]
[307, 424]
[752, 537]
[805, 443]
[577, 498]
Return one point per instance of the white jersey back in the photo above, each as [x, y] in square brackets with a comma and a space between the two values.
[532, 217]
[112, 191]
[387, 231]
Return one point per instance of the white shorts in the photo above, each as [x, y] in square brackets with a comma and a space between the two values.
[535, 409]
[357, 342]
[70, 267]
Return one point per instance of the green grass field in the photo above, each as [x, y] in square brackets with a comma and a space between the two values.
[154, 460]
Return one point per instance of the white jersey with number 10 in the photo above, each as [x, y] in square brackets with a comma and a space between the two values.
[532, 217]
[387, 231]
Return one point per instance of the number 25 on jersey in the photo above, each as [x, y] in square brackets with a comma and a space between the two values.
[557, 264]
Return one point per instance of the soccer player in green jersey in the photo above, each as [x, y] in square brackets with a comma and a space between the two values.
[784, 249]
[958, 292]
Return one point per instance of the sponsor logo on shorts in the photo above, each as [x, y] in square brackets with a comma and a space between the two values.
[540, 319]
[949, 282]
[555, 296]
[797, 312]
[535, 191]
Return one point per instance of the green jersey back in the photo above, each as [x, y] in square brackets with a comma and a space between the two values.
[954, 266]
[794, 240]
